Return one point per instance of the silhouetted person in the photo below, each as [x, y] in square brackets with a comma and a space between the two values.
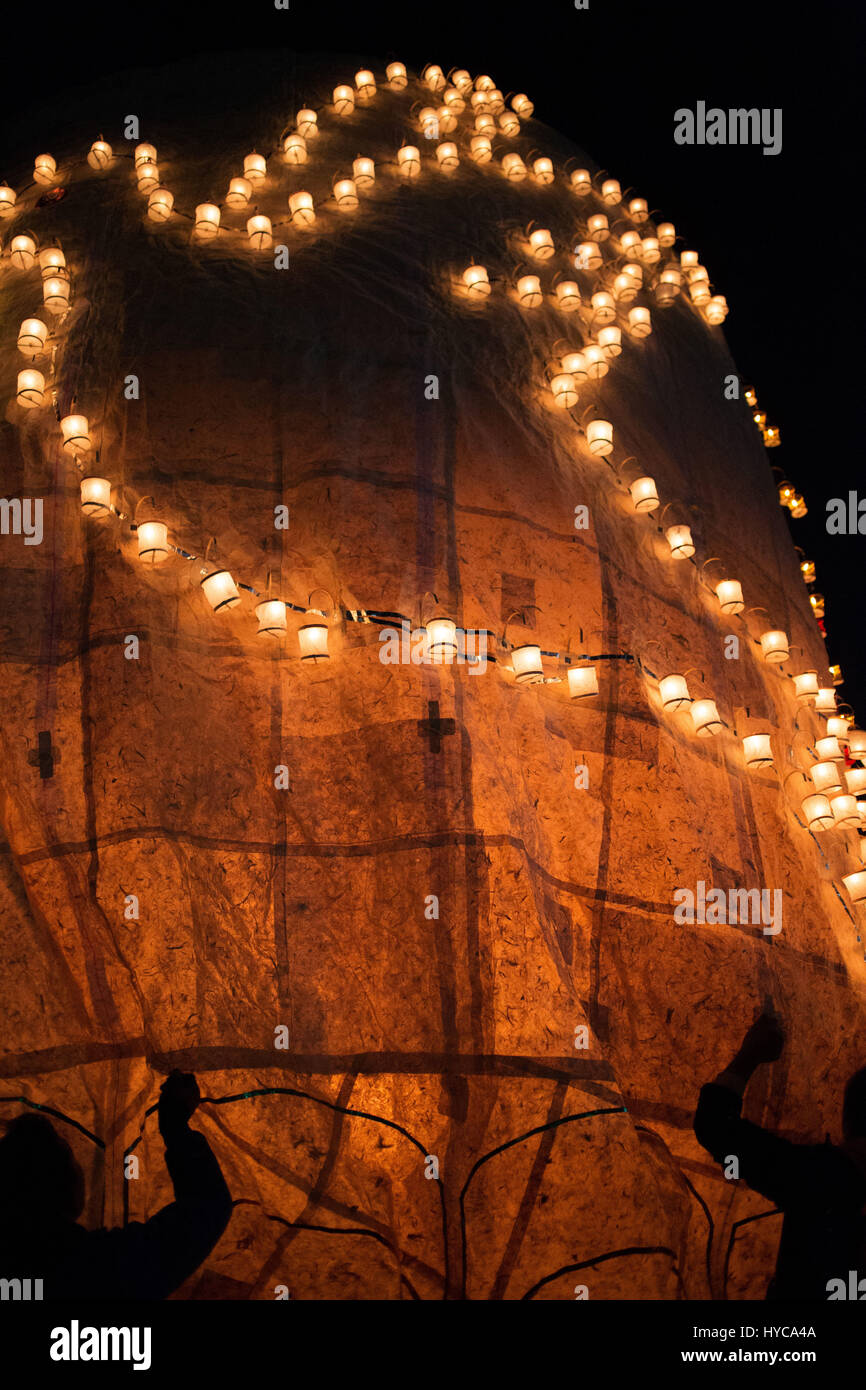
[42, 1195]
[821, 1188]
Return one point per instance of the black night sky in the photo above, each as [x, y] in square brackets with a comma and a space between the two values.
[779, 234]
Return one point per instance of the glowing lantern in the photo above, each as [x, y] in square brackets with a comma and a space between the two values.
[53, 262]
[772, 437]
[148, 177]
[396, 75]
[706, 718]
[828, 748]
[207, 221]
[587, 256]
[857, 743]
[344, 100]
[758, 750]
[668, 287]
[100, 155]
[32, 337]
[239, 194]
[826, 700]
[807, 569]
[428, 120]
[846, 812]
[160, 204]
[751, 396]
[638, 210]
[434, 77]
[22, 251]
[153, 547]
[513, 167]
[564, 390]
[259, 232]
[74, 432]
[817, 604]
[650, 250]
[409, 161]
[95, 496]
[441, 640]
[855, 885]
[301, 209]
[818, 813]
[295, 149]
[31, 389]
[461, 79]
[826, 778]
[307, 123]
[529, 291]
[603, 307]
[541, 244]
[582, 681]
[567, 296]
[837, 727]
[630, 243]
[674, 693]
[596, 365]
[44, 168]
[774, 647]
[575, 364]
[855, 780]
[581, 183]
[644, 496]
[624, 288]
[255, 167]
[716, 310]
[610, 340]
[509, 124]
[220, 590]
[271, 613]
[797, 505]
[689, 261]
[145, 154]
[599, 437]
[611, 193]
[680, 541]
[760, 418]
[364, 171]
[667, 233]
[55, 295]
[597, 227]
[542, 168]
[454, 101]
[313, 639]
[522, 105]
[730, 595]
[346, 195]
[526, 661]
[480, 149]
[8, 198]
[477, 282]
[365, 84]
[447, 156]
[639, 322]
[699, 291]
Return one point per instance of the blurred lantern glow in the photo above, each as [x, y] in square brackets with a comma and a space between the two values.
[100, 155]
[816, 602]
[599, 437]
[717, 309]
[8, 198]
[31, 389]
[75, 434]
[220, 590]
[522, 105]
[207, 221]
[160, 204]
[855, 780]
[674, 693]
[774, 646]
[680, 541]
[433, 77]
[477, 282]
[96, 496]
[301, 208]
[639, 322]
[344, 100]
[526, 661]
[44, 168]
[638, 210]
[797, 505]
[32, 337]
[581, 183]
[644, 496]
[730, 595]
[611, 193]
[706, 718]
[857, 743]
[153, 547]
[587, 256]
[650, 250]
[818, 813]
[667, 234]
[441, 640]
[255, 167]
[699, 291]
[582, 681]
[772, 437]
[509, 124]
[259, 232]
[271, 613]
[758, 750]
[668, 287]
[22, 251]
[807, 569]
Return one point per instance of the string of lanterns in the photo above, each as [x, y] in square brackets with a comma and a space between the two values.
[639, 266]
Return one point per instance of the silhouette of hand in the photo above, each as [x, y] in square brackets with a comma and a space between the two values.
[178, 1097]
[764, 1040]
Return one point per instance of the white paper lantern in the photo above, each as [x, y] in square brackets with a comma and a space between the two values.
[31, 389]
[271, 613]
[100, 155]
[220, 590]
[240, 191]
[301, 209]
[679, 539]
[644, 495]
[599, 437]
[260, 233]
[207, 221]
[96, 497]
[44, 168]
[706, 718]
[153, 547]
[774, 647]
[730, 595]
[758, 750]
[160, 204]
[441, 640]
[22, 251]
[344, 100]
[75, 434]
[295, 148]
[526, 661]
[582, 681]
[816, 809]
[32, 337]
[674, 693]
